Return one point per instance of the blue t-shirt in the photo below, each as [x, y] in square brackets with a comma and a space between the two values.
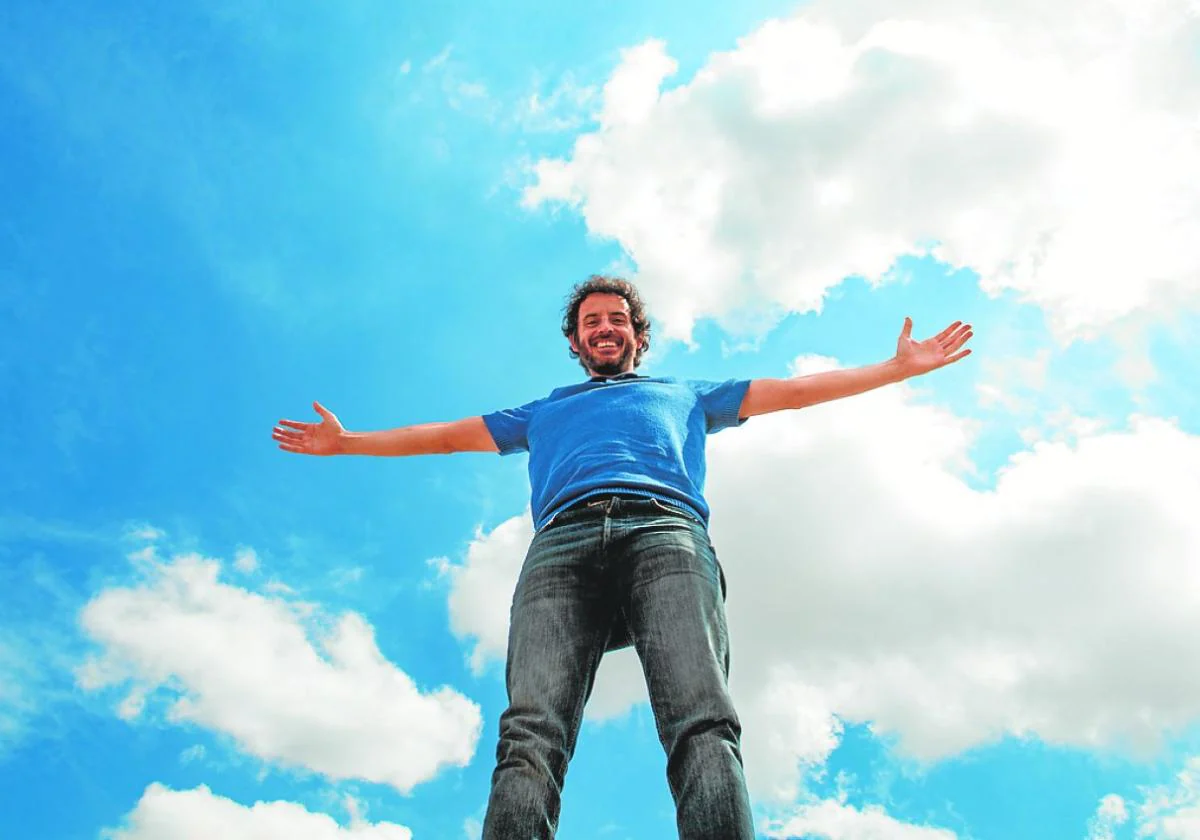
[632, 434]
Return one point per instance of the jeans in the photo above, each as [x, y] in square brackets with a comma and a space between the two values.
[613, 572]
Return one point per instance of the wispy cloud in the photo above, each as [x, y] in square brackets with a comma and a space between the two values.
[566, 106]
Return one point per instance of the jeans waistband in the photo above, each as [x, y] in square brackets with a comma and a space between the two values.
[606, 498]
[603, 499]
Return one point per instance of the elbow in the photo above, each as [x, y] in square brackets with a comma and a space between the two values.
[447, 441]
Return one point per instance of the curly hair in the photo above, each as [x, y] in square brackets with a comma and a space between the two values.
[605, 285]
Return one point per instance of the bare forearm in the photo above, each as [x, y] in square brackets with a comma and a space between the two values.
[767, 395]
[829, 385]
[423, 439]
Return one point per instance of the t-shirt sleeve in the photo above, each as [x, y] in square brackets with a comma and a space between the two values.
[721, 402]
[509, 428]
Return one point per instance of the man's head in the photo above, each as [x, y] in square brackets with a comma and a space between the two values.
[606, 325]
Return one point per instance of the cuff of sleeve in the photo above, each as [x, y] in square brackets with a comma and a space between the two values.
[506, 441]
[728, 417]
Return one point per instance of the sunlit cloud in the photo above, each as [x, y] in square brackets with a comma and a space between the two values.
[286, 682]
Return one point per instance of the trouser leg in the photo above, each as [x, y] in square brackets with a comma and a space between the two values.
[676, 615]
[560, 620]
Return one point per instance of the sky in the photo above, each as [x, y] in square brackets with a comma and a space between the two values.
[964, 606]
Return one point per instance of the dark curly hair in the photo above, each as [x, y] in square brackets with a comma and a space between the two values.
[606, 285]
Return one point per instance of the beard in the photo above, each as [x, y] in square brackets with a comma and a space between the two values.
[610, 366]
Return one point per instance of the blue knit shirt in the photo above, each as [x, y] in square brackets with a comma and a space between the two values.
[629, 434]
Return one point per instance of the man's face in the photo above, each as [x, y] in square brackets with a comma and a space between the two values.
[605, 338]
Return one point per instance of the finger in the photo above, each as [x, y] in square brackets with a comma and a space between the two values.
[325, 413]
[956, 337]
[298, 450]
[906, 331]
[295, 424]
[959, 339]
[944, 334]
[286, 434]
[958, 356]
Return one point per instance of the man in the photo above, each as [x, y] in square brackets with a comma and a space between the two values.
[621, 553]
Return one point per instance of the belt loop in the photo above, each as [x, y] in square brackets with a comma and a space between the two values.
[612, 503]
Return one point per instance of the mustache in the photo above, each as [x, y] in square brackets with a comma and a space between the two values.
[620, 343]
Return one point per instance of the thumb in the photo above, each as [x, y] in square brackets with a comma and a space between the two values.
[325, 413]
[907, 331]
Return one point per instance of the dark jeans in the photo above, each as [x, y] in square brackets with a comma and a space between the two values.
[597, 577]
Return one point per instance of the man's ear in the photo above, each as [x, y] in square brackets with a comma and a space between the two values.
[573, 343]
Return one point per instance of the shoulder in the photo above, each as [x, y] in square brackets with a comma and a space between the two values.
[706, 387]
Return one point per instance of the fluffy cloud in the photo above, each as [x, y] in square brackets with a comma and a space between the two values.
[831, 820]
[1058, 603]
[285, 682]
[1110, 815]
[481, 587]
[1050, 148]
[870, 581]
[165, 814]
[1173, 813]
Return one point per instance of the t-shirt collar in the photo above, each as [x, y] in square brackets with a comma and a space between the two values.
[626, 375]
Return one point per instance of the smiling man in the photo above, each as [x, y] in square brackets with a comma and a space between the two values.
[621, 554]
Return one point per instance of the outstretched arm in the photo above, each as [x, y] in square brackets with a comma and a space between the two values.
[912, 358]
[329, 437]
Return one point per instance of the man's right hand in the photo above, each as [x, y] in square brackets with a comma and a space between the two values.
[324, 438]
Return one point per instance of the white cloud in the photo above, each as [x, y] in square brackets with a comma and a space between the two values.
[1050, 148]
[287, 683]
[565, 107]
[786, 722]
[448, 76]
[245, 560]
[863, 566]
[439, 60]
[198, 814]
[1109, 816]
[481, 587]
[831, 820]
[1173, 813]
[196, 752]
[143, 532]
[1013, 383]
[868, 581]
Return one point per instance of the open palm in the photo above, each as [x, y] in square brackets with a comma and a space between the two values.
[322, 438]
[917, 357]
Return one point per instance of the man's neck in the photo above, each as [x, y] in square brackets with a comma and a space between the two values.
[601, 377]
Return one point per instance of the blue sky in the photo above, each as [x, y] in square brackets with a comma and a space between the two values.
[964, 607]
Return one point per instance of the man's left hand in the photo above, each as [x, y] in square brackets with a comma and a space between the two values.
[917, 357]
